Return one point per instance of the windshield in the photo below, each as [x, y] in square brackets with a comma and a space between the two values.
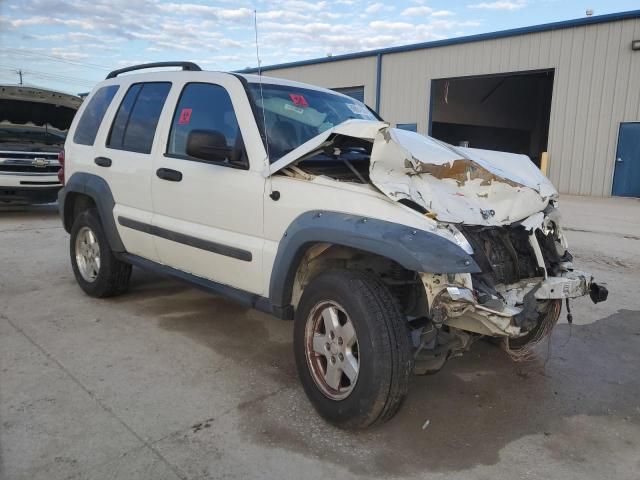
[295, 115]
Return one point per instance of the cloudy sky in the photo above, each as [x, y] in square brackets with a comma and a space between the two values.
[68, 45]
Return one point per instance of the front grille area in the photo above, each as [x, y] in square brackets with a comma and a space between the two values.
[503, 253]
[29, 162]
[29, 168]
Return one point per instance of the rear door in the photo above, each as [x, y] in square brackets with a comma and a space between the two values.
[126, 156]
[208, 214]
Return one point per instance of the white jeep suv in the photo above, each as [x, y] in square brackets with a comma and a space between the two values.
[391, 251]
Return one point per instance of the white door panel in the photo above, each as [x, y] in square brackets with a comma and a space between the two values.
[210, 222]
[215, 204]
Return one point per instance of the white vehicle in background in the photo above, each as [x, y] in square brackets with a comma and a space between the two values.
[33, 127]
[390, 250]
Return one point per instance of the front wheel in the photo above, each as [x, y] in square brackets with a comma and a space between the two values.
[352, 348]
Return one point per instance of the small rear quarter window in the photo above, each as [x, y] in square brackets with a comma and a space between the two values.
[93, 114]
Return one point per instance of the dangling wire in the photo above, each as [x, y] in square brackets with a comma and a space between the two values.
[264, 116]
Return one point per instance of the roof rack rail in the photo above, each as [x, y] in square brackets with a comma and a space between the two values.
[189, 66]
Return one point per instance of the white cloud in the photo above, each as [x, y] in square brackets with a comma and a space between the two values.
[286, 16]
[300, 5]
[39, 20]
[442, 13]
[196, 9]
[417, 11]
[67, 54]
[374, 8]
[500, 5]
[385, 25]
[235, 14]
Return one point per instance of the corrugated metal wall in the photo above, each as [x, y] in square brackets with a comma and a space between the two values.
[339, 74]
[596, 86]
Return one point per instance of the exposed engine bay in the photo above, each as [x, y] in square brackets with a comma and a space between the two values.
[499, 208]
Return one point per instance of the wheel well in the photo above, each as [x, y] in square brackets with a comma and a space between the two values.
[404, 284]
[74, 205]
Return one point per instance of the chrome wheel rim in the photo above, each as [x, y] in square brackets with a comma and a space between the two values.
[331, 348]
[87, 251]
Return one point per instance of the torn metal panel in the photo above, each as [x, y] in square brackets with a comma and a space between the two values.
[458, 185]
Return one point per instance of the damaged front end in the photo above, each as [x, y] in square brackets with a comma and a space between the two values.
[497, 206]
[526, 273]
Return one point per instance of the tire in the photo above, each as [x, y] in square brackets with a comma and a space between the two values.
[382, 351]
[108, 276]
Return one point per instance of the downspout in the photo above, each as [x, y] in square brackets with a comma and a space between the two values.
[378, 81]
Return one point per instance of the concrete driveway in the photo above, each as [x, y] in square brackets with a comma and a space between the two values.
[168, 382]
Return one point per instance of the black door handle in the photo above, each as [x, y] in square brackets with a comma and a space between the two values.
[102, 161]
[168, 174]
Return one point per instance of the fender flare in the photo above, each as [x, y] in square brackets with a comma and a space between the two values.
[414, 249]
[98, 190]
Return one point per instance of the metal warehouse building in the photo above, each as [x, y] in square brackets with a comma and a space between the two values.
[570, 89]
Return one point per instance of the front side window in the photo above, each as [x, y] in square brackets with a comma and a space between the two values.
[93, 114]
[295, 115]
[135, 123]
[205, 108]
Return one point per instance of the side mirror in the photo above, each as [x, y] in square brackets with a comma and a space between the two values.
[208, 145]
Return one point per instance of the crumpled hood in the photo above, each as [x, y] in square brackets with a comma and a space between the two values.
[454, 184]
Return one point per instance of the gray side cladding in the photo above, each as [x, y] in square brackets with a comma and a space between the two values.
[415, 250]
[98, 189]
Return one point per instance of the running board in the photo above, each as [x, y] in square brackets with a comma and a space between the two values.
[243, 297]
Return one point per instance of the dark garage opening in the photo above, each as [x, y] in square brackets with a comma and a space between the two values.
[507, 112]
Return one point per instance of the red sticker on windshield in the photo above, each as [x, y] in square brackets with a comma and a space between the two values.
[185, 116]
[298, 100]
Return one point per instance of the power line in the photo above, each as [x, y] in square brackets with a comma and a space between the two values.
[51, 76]
[55, 58]
[14, 69]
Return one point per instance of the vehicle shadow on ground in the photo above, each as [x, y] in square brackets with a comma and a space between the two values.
[454, 420]
[35, 212]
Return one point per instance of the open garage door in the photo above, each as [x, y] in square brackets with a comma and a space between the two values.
[507, 112]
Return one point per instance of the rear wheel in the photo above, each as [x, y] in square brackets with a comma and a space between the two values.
[352, 348]
[98, 272]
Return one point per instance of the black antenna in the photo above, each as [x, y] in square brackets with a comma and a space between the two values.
[264, 117]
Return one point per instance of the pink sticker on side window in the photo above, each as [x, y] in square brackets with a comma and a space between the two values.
[185, 116]
[298, 100]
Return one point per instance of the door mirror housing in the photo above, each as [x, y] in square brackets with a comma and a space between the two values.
[209, 145]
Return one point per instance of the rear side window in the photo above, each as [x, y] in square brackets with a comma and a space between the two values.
[135, 123]
[202, 106]
[89, 123]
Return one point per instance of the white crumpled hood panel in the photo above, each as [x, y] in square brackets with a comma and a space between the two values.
[459, 185]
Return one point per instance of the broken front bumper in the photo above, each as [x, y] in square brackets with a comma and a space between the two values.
[571, 284]
[476, 304]
[454, 304]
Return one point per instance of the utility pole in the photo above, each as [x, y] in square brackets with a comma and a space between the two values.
[19, 72]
